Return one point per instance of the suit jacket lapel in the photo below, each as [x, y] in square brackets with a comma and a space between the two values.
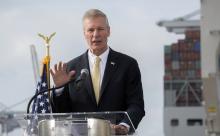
[111, 66]
[88, 82]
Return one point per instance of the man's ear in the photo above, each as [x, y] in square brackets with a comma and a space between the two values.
[109, 31]
[83, 31]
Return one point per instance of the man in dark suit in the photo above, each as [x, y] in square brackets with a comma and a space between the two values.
[114, 81]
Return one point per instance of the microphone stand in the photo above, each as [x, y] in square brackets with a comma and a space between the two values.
[44, 91]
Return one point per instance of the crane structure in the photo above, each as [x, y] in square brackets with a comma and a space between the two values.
[181, 24]
[210, 39]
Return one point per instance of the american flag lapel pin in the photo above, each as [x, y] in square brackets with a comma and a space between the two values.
[112, 63]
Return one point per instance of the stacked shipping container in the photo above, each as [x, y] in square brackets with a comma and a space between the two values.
[182, 63]
[182, 59]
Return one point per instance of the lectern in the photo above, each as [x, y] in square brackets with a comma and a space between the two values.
[73, 124]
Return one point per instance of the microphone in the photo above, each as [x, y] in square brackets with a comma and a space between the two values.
[78, 82]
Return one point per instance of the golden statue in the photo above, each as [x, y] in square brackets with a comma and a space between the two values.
[46, 38]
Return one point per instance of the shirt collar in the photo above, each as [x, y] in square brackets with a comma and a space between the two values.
[103, 56]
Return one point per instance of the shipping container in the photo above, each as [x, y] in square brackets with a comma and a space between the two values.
[182, 63]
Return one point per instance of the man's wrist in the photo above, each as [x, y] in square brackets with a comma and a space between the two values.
[125, 125]
[58, 92]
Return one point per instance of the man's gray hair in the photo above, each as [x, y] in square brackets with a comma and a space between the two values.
[93, 13]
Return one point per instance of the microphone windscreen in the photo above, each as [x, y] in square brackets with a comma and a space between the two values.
[86, 71]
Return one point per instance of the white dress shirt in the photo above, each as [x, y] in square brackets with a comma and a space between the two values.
[103, 57]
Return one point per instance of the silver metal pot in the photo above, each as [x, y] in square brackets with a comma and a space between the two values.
[46, 128]
[98, 127]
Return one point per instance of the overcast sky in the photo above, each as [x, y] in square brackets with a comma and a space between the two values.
[133, 32]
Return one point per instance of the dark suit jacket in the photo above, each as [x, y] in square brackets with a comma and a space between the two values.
[121, 88]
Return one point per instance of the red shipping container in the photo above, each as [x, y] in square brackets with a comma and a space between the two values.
[175, 73]
[181, 56]
[187, 47]
[198, 74]
[197, 56]
[196, 34]
[168, 66]
[181, 47]
[188, 34]
[184, 56]
[167, 77]
[167, 57]
[192, 34]
[191, 65]
[183, 74]
[188, 56]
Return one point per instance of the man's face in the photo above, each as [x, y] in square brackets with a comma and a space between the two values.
[96, 33]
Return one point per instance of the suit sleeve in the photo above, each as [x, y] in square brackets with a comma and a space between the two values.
[134, 94]
[61, 103]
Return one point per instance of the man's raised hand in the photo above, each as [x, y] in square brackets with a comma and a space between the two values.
[60, 75]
